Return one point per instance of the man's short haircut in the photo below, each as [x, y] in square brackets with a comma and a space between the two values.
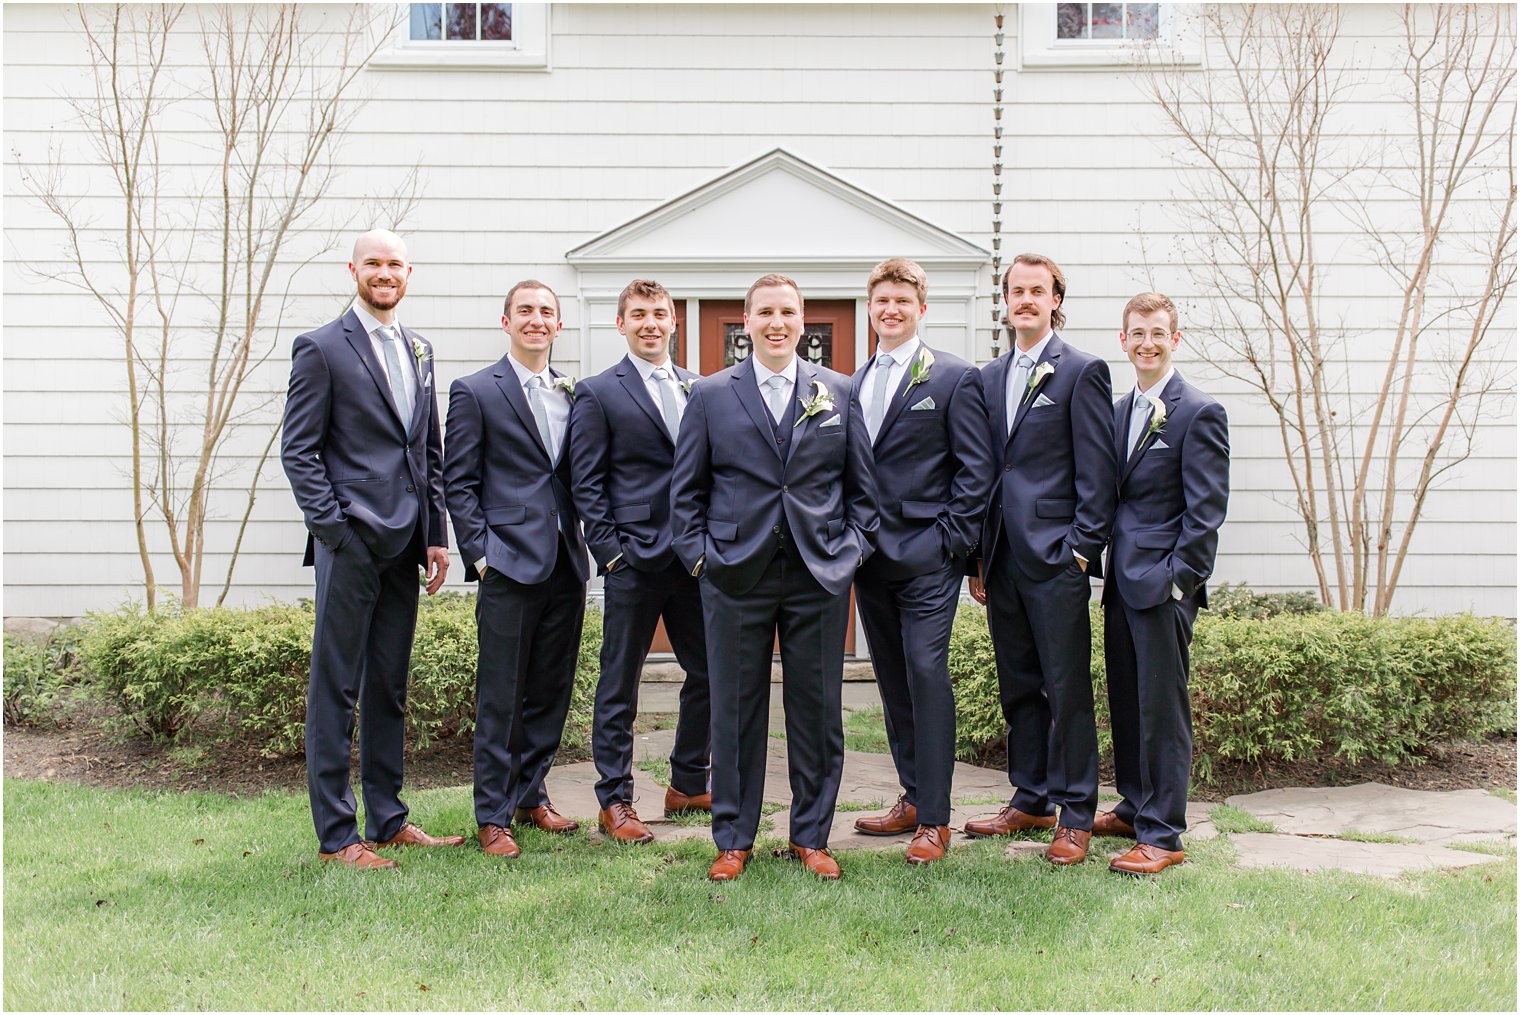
[900, 269]
[645, 289]
[1058, 286]
[1149, 303]
[765, 281]
[528, 283]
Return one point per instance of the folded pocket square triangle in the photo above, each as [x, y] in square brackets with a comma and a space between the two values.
[1161, 444]
[831, 421]
[927, 403]
[1042, 400]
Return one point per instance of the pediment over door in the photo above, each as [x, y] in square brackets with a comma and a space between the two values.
[780, 210]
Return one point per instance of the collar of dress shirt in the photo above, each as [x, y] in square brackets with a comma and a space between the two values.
[1035, 353]
[764, 373]
[1157, 388]
[524, 374]
[369, 322]
[645, 368]
[904, 353]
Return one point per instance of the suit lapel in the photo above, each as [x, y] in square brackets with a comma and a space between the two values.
[802, 390]
[997, 400]
[358, 339]
[743, 384]
[419, 390]
[512, 390]
[1171, 395]
[1122, 409]
[899, 398]
[633, 382]
[1052, 355]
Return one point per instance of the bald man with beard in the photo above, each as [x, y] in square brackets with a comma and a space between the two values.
[361, 449]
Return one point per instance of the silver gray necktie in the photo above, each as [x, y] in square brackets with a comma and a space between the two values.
[667, 401]
[400, 388]
[777, 397]
[1139, 415]
[879, 393]
[540, 413]
[1017, 385]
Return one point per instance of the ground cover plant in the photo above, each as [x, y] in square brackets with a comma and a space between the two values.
[135, 900]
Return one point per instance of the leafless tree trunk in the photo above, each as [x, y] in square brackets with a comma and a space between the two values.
[275, 87]
[1274, 165]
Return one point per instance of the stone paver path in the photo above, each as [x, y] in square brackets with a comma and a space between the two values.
[1306, 819]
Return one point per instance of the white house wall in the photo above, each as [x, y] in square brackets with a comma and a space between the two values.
[643, 103]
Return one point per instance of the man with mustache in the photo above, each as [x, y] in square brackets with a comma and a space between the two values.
[507, 477]
[1052, 429]
[360, 447]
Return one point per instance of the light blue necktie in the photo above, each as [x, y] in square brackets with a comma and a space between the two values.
[540, 413]
[1017, 384]
[777, 397]
[884, 363]
[1139, 415]
[400, 389]
[667, 401]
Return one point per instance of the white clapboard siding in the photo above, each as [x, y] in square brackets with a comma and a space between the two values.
[643, 103]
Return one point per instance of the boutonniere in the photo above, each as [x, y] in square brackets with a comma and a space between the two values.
[822, 401]
[1041, 372]
[1158, 416]
[685, 383]
[566, 384]
[919, 374]
[420, 350]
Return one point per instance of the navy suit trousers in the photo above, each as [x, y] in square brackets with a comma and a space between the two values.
[907, 623]
[360, 653]
[1147, 658]
[635, 602]
[529, 638]
[1042, 637]
[741, 629]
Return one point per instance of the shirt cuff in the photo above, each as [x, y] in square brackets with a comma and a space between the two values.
[480, 566]
[613, 563]
[1176, 592]
[1077, 555]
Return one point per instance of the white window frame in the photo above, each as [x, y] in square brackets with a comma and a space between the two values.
[1177, 34]
[527, 51]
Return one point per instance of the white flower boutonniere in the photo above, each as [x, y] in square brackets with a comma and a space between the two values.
[567, 385]
[919, 374]
[420, 350]
[1158, 416]
[822, 401]
[1041, 372]
[685, 383]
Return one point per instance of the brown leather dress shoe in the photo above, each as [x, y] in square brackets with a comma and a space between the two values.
[359, 856]
[818, 861]
[729, 865]
[411, 835]
[929, 844]
[546, 818]
[1145, 859]
[498, 841]
[677, 802]
[1009, 820]
[1068, 847]
[903, 817]
[1109, 823]
[620, 823]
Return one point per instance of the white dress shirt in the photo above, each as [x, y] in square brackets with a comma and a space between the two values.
[763, 374]
[404, 350]
[898, 360]
[1015, 393]
[556, 402]
[646, 370]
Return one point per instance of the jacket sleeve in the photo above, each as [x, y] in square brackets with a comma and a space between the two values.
[971, 450]
[1092, 442]
[691, 483]
[1205, 458]
[590, 456]
[860, 496]
[463, 472]
[308, 408]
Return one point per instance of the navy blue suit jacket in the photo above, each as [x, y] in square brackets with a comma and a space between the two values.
[354, 468]
[733, 488]
[1173, 493]
[621, 456]
[1055, 470]
[508, 502]
[934, 468]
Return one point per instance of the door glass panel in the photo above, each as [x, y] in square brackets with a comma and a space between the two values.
[817, 345]
[736, 344]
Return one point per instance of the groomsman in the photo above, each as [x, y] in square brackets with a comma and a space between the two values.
[1052, 431]
[1174, 487]
[623, 428]
[773, 504]
[360, 447]
[927, 419]
[507, 478]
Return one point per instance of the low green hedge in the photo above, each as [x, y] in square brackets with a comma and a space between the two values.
[41, 678]
[1294, 685]
[243, 672]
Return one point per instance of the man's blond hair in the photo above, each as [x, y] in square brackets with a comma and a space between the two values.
[765, 281]
[1149, 303]
[900, 269]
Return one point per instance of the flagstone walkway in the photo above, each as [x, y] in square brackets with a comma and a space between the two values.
[1367, 829]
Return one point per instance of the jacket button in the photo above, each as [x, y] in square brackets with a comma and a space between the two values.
[778, 440]
[411, 489]
[554, 511]
[1007, 468]
[785, 489]
[776, 528]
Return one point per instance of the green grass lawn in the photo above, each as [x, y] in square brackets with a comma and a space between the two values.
[144, 901]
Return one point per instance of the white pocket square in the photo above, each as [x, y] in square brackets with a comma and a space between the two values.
[1040, 400]
[927, 403]
[833, 420]
[1160, 444]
